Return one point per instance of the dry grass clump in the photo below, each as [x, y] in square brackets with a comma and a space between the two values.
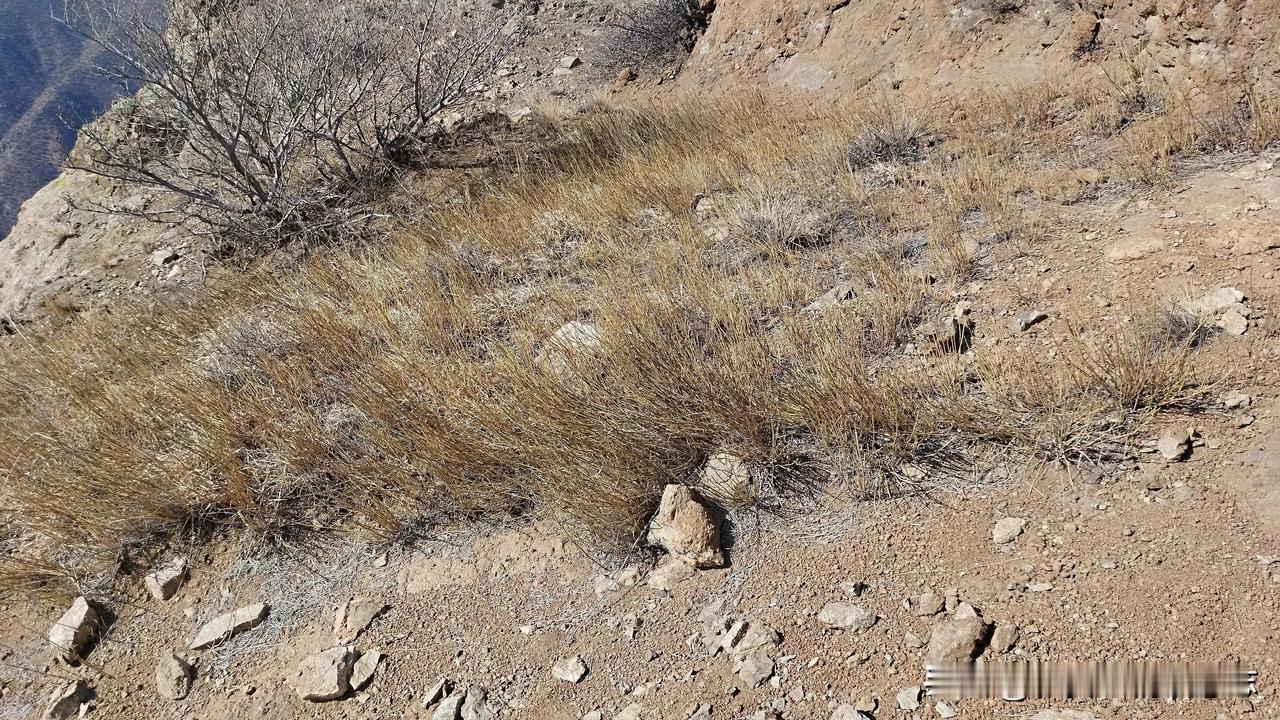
[631, 298]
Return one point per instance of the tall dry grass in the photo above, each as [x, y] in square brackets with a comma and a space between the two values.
[393, 389]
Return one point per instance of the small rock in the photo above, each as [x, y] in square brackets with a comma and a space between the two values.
[1006, 530]
[1174, 445]
[687, 528]
[754, 668]
[367, 664]
[570, 61]
[164, 582]
[570, 670]
[228, 625]
[593, 715]
[1004, 638]
[1245, 420]
[957, 639]
[634, 711]
[847, 615]
[325, 675]
[173, 677]
[353, 616]
[1024, 321]
[928, 603]
[66, 701]
[73, 630]
[670, 572]
[703, 712]
[909, 699]
[912, 641]
[476, 706]
[1236, 400]
[434, 693]
[1064, 715]
[562, 353]
[944, 710]
[449, 709]
[1233, 323]
[163, 256]
[848, 712]
[726, 481]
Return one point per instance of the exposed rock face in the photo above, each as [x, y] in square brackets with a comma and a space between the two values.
[228, 625]
[174, 677]
[687, 528]
[73, 630]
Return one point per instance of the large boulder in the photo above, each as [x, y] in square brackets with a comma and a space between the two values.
[687, 528]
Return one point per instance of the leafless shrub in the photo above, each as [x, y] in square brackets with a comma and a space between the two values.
[998, 8]
[277, 119]
[888, 138]
[651, 34]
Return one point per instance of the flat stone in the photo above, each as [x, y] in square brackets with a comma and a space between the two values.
[1006, 530]
[1215, 301]
[928, 603]
[163, 582]
[173, 677]
[957, 639]
[476, 706]
[847, 615]
[435, 693]
[1064, 715]
[324, 676]
[944, 709]
[449, 709]
[1174, 445]
[228, 625]
[669, 573]
[909, 698]
[364, 668]
[65, 702]
[848, 712]
[686, 528]
[754, 668]
[726, 481]
[353, 616]
[71, 632]
[1233, 323]
[1133, 247]
[1235, 400]
[570, 670]
[1004, 638]
[1027, 319]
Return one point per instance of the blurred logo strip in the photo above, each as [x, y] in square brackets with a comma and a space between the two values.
[1041, 680]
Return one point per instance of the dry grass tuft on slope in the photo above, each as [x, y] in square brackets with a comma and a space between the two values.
[653, 286]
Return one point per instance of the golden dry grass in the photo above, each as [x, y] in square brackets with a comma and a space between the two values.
[388, 390]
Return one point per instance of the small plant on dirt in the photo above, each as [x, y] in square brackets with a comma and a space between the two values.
[889, 138]
[653, 35]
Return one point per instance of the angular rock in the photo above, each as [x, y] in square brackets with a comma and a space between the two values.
[566, 346]
[449, 709]
[66, 701]
[944, 710]
[957, 639]
[353, 616]
[570, 61]
[1006, 530]
[570, 670]
[1025, 320]
[435, 693]
[163, 582]
[702, 712]
[670, 573]
[228, 625]
[1004, 638]
[1174, 445]
[687, 528]
[848, 712]
[325, 675]
[174, 677]
[634, 711]
[1235, 400]
[1052, 714]
[928, 603]
[754, 668]
[726, 481]
[73, 630]
[909, 699]
[756, 637]
[846, 615]
[476, 706]
[364, 668]
[1215, 301]
[1233, 322]
[840, 293]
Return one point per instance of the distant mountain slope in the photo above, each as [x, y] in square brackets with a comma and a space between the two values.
[46, 78]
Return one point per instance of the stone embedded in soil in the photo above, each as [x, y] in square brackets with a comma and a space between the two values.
[1174, 445]
[726, 481]
[228, 625]
[364, 668]
[848, 712]
[449, 709]
[1216, 301]
[1006, 530]
[476, 705]
[435, 693]
[66, 701]
[353, 616]
[670, 573]
[909, 699]
[324, 676]
[1052, 714]
[634, 711]
[1004, 638]
[1025, 320]
[1235, 400]
[957, 639]
[163, 582]
[565, 347]
[846, 615]
[73, 630]
[173, 677]
[944, 710]
[928, 603]
[1233, 322]
[686, 528]
[702, 712]
[570, 670]
[754, 668]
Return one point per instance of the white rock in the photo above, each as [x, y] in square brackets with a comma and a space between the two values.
[1004, 638]
[475, 706]
[944, 710]
[687, 528]
[1233, 322]
[567, 346]
[754, 668]
[570, 670]
[847, 615]
[326, 675]
[163, 582]
[1215, 301]
[1064, 715]
[73, 630]
[1174, 445]
[1007, 530]
[670, 572]
[228, 625]
[366, 665]
[66, 701]
[449, 709]
[173, 677]
[435, 693]
[848, 712]
[726, 481]
[570, 61]
[353, 616]
[909, 699]
[634, 711]
[1235, 400]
